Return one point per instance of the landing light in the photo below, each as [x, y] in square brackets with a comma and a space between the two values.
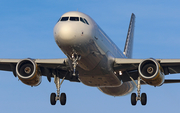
[120, 72]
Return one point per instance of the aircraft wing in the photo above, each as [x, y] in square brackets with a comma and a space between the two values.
[47, 66]
[129, 67]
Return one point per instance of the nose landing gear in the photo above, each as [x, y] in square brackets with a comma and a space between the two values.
[75, 59]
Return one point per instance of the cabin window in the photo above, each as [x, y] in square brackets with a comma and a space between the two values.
[64, 18]
[74, 18]
[86, 21]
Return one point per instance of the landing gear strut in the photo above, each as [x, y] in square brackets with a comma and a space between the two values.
[135, 98]
[62, 97]
[75, 59]
[54, 97]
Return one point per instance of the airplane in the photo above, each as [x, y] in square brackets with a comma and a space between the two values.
[94, 60]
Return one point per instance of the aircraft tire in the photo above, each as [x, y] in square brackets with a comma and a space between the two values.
[53, 99]
[143, 98]
[63, 99]
[133, 99]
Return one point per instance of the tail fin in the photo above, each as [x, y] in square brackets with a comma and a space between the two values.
[129, 40]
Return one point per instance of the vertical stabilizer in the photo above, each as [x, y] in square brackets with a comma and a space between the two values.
[129, 40]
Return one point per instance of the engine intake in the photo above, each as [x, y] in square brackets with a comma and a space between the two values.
[28, 72]
[151, 72]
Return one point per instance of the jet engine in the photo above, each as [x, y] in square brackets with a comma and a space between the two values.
[151, 72]
[28, 72]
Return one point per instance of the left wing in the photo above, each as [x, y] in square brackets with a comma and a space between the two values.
[129, 67]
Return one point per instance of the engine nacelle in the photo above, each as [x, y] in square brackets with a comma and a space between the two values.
[151, 72]
[28, 72]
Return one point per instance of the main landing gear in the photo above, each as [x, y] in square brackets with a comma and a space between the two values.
[142, 97]
[54, 97]
[62, 97]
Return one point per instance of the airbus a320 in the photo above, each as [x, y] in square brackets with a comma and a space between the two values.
[94, 60]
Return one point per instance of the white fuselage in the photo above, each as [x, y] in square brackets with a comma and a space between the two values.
[77, 33]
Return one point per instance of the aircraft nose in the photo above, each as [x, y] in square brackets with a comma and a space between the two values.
[65, 33]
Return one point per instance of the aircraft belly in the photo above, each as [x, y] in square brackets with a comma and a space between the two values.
[124, 89]
[102, 75]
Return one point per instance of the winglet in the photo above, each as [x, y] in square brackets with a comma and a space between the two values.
[129, 40]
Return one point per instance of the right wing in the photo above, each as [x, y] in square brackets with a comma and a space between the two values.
[47, 67]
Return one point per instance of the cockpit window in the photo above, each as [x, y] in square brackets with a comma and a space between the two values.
[64, 18]
[82, 20]
[86, 21]
[74, 18]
